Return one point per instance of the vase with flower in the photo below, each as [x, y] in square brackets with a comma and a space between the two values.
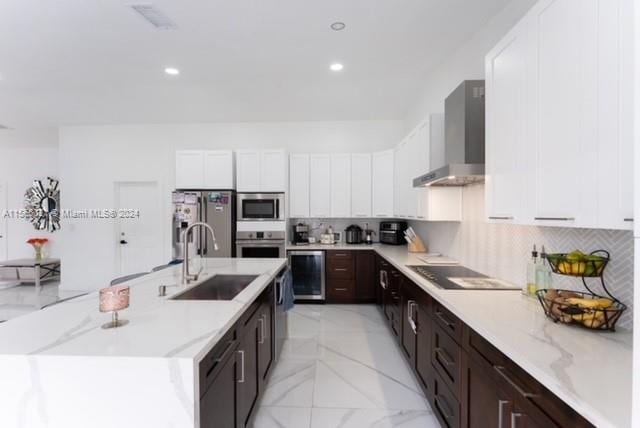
[38, 244]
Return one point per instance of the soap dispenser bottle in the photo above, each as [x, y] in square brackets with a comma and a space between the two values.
[530, 288]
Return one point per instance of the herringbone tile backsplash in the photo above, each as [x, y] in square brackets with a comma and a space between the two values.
[503, 250]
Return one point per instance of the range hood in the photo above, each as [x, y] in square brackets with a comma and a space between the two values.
[464, 139]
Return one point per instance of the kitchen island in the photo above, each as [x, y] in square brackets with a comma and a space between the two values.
[59, 368]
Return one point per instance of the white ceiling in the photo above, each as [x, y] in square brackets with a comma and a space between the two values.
[73, 62]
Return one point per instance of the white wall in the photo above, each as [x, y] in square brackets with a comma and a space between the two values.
[93, 158]
[465, 63]
[24, 157]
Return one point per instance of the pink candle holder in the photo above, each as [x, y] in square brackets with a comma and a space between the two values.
[114, 299]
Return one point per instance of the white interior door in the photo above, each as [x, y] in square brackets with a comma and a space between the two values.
[139, 239]
[3, 222]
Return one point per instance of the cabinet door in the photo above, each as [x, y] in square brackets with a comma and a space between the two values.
[564, 39]
[400, 184]
[486, 407]
[365, 276]
[382, 184]
[248, 171]
[507, 101]
[273, 171]
[189, 169]
[615, 114]
[299, 186]
[409, 326]
[265, 337]
[247, 383]
[341, 185]
[412, 160]
[218, 405]
[423, 366]
[361, 185]
[219, 171]
[320, 186]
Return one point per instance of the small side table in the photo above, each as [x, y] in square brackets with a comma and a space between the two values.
[43, 270]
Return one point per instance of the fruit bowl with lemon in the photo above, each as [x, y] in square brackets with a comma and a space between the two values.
[577, 263]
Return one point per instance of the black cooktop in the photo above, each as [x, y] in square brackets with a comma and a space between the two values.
[440, 276]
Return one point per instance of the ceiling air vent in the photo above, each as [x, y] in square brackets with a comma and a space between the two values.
[154, 16]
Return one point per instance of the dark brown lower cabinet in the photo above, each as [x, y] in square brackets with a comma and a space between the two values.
[217, 405]
[233, 374]
[265, 338]
[408, 298]
[247, 383]
[444, 404]
[486, 407]
[423, 367]
[365, 276]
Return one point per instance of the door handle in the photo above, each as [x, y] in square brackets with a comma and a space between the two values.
[514, 419]
[261, 321]
[241, 380]
[445, 357]
[502, 372]
[501, 404]
[554, 218]
[122, 242]
[496, 217]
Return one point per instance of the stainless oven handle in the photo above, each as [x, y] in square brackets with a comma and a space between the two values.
[260, 243]
[277, 213]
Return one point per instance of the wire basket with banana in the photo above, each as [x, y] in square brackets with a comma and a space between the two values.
[589, 309]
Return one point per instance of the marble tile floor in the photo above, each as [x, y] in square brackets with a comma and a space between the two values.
[22, 299]
[340, 367]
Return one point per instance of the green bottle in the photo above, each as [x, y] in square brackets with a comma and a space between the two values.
[532, 269]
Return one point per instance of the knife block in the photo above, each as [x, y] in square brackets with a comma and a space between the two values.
[417, 246]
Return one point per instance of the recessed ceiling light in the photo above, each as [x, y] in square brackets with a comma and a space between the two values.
[172, 71]
[336, 66]
[338, 26]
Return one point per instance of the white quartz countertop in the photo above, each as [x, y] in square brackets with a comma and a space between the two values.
[589, 370]
[158, 326]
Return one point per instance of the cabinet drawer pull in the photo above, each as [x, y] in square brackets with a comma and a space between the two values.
[241, 380]
[502, 372]
[221, 358]
[341, 289]
[340, 269]
[410, 305]
[444, 319]
[261, 321]
[514, 419]
[444, 408]
[497, 217]
[555, 218]
[501, 404]
[628, 219]
[340, 255]
[445, 357]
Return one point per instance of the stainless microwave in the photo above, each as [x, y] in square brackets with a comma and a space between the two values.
[260, 207]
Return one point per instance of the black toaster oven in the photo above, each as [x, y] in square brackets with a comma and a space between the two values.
[392, 232]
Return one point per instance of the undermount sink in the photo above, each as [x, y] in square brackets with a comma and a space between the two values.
[219, 287]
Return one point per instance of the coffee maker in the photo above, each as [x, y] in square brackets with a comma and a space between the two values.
[300, 234]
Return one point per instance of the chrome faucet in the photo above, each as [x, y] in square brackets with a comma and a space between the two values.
[186, 276]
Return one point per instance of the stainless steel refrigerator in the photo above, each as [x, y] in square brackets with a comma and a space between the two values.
[214, 207]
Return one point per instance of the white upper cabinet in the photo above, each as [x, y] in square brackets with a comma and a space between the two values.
[261, 170]
[189, 169]
[559, 117]
[299, 185]
[248, 170]
[382, 184]
[506, 134]
[204, 169]
[273, 171]
[341, 185]
[361, 185]
[615, 167]
[219, 170]
[320, 185]
[400, 180]
[564, 34]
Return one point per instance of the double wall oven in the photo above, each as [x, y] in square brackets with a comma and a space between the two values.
[260, 225]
